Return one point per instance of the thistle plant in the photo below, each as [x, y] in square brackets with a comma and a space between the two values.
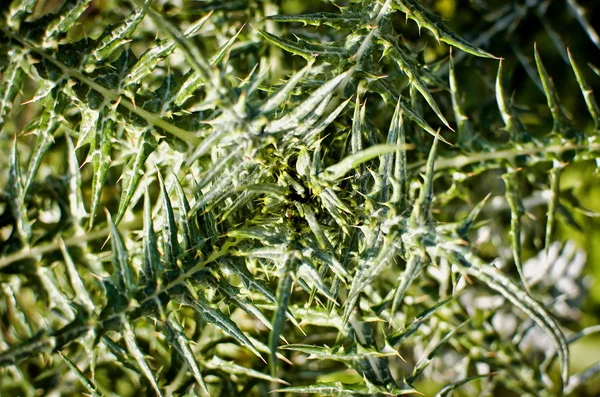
[234, 198]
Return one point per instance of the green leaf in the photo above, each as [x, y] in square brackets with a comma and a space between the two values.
[100, 157]
[449, 388]
[134, 170]
[216, 317]
[284, 290]
[409, 67]
[512, 194]
[427, 19]
[135, 352]
[224, 49]
[123, 275]
[157, 52]
[586, 90]
[217, 363]
[12, 81]
[339, 21]
[275, 100]
[76, 282]
[398, 337]
[190, 233]
[294, 118]
[561, 122]
[339, 354]
[112, 39]
[85, 381]
[494, 279]
[17, 10]
[17, 196]
[172, 249]
[553, 203]
[65, 19]
[421, 214]
[47, 125]
[190, 51]
[177, 336]
[340, 169]
[424, 363]
[340, 389]
[414, 264]
[465, 129]
[233, 295]
[152, 266]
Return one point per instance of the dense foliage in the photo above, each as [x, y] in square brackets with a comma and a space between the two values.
[340, 198]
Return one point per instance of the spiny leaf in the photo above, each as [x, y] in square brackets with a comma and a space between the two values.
[339, 354]
[389, 96]
[397, 338]
[340, 389]
[157, 52]
[172, 248]
[408, 66]
[289, 46]
[81, 292]
[190, 51]
[307, 272]
[134, 170]
[340, 169]
[293, 119]
[113, 39]
[449, 388]
[216, 317]
[87, 126]
[224, 49]
[48, 124]
[587, 92]
[12, 80]
[421, 213]
[368, 270]
[17, 195]
[400, 194]
[138, 356]
[284, 290]
[100, 156]
[182, 343]
[463, 227]
[330, 53]
[516, 212]
[356, 140]
[411, 271]
[560, 120]
[493, 278]
[123, 274]
[188, 228]
[465, 130]
[338, 21]
[427, 19]
[76, 205]
[152, 265]
[85, 381]
[240, 301]
[555, 173]
[17, 10]
[276, 99]
[231, 368]
[66, 18]
[424, 363]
